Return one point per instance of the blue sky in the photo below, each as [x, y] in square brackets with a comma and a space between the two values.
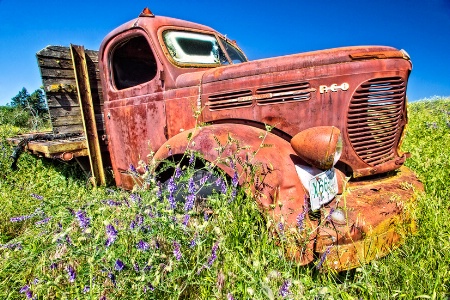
[262, 29]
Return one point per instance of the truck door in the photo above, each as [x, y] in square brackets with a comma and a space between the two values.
[134, 106]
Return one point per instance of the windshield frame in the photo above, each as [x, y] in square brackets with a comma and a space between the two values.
[219, 40]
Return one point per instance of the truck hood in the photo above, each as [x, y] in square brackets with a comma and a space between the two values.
[289, 62]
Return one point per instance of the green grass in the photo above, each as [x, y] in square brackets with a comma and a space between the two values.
[248, 264]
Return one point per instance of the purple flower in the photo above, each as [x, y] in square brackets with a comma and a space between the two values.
[223, 187]
[178, 172]
[111, 235]
[171, 186]
[71, 272]
[112, 277]
[83, 221]
[147, 268]
[136, 198]
[132, 224]
[136, 267]
[284, 289]
[36, 196]
[193, 242]
[112, 202]
[53, 266]
[230, 296]
[235, 179]
[176, 250]
[213, 255]
[24, 289]
[142, 245]
[172, 201]
[233, 194]
[191, 186]
[281, 227]
[159, 191]
[119, 265]
[13, 246]
[204, 179]
[21, 218]
[103, 297]
[148, 287]
[86, 289]
[132, 169]
[192, 158]
[189, 204]
[301, 218]
[44, 221]
[186, 220]
[323, 257]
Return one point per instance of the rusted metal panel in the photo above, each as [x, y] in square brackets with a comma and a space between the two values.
[87, 113]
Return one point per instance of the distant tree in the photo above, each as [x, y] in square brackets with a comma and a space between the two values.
[34, 103]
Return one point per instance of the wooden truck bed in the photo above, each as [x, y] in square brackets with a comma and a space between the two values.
[72, 87]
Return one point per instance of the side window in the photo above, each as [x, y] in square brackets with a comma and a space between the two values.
[133, 63]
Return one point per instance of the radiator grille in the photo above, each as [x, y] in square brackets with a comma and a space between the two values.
[374, 117]
[230, 100]
[284, 93]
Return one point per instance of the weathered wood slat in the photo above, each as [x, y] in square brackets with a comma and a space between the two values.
[58, 76]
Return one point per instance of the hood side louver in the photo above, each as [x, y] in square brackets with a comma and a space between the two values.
[284, 93]
[230, 100]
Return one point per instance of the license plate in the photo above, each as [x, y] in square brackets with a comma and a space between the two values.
[323, 188]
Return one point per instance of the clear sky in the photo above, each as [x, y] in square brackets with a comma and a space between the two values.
[262, 29]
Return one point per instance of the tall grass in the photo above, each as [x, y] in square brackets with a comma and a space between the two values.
[62, 239]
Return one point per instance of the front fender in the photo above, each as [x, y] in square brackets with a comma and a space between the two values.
[274, 180]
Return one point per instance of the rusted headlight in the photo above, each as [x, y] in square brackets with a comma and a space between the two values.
[319, 146]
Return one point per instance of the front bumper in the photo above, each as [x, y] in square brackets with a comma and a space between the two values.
[377, 218]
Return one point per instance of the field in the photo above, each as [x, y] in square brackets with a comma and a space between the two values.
[62, 239]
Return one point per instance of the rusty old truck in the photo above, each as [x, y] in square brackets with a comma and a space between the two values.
[334, 120]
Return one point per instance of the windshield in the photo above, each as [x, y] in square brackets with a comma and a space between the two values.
[235, 55]
[199, 49]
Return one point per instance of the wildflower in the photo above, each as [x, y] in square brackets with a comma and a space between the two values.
[186, 219]
[112, 277]
[147, 268]
[111, 234]
[86, 289]
[68, 240]
[36, 196]
[281, 227]
[328, 218]
[53, 266]
[323, 257]
[191, 186]
[193, 242]
[148, 287]
[24, 289]
[213, 256]
[235, 179]
[136, 267]
[44, 221]
[223, 187]
[206, 216]
[233, 194]
[284, 289]
[204, 179]
[13, 246]
[21, 218]
[176, 250]
[230, 296]
[159, 190]
[132, 224]
[189, 204]
[112, 202]
[132, 169]
[83, 221]
[136, 198]
[71, 272]
[119, 265]
[301, 218]
[142, 245]
[178, 172]
[103, 297]
[192, 158]
[172, 201]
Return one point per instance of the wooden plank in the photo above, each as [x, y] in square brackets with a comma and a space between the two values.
[56, 147]
[68, 129]
[87, 112]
